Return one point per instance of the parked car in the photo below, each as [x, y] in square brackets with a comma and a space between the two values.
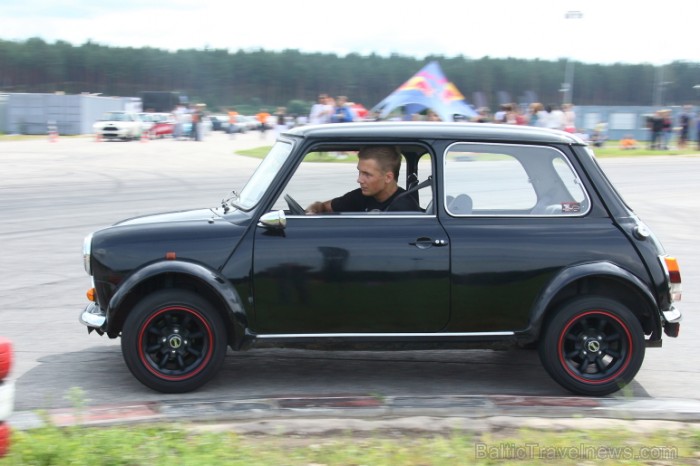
[247, 123]
[118, 125]
[520, 240]
[147, 123]
[7, 394]
[219, 122]
[204, 128]
[163, 125]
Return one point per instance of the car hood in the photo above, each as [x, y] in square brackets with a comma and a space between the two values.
[169, 217]
[195, 235]
[114, 122]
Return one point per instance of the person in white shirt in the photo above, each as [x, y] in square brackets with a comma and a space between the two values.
[321, 111]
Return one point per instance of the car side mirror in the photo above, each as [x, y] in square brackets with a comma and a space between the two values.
[273, 220]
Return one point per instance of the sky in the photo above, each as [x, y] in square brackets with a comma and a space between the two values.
[607, 31]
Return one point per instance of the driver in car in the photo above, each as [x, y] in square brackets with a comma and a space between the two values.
[378, 171]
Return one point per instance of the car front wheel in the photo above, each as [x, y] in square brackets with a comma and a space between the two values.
[173, 341]
[592, 346]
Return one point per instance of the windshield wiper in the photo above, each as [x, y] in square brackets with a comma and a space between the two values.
[228, 202]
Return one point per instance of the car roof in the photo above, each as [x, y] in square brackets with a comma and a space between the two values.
[436, 130]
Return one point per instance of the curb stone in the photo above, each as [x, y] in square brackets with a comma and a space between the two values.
[414, 413]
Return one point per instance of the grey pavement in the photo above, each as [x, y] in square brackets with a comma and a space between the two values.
[296, 393]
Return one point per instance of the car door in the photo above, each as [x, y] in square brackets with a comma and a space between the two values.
[363, 273]
[516, 215]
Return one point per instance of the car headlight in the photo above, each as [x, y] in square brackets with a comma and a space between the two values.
[87, 249]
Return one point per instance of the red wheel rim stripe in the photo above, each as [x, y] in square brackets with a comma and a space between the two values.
[562, 359]
[201, 366]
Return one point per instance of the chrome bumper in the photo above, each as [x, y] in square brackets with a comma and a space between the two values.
[672, 321]
[93, 317]
[673, 315]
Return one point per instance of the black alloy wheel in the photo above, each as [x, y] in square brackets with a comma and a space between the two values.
[593, 346]
[173, 341]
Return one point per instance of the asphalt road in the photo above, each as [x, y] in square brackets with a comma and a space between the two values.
[53, 194]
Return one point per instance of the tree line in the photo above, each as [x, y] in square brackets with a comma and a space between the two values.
[222, 78]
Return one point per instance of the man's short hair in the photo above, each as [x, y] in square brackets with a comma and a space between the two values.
[388, 158]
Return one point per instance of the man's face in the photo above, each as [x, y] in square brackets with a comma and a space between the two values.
[371, 178]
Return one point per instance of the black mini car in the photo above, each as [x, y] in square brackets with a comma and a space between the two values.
[519, 240]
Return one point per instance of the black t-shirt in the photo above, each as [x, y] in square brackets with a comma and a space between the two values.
[355, 201]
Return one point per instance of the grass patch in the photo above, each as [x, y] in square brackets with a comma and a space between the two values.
[174, 445]
[612, 149]
[22, 137]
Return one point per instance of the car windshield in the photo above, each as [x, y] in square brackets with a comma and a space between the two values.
[267, 170]
[114, 116]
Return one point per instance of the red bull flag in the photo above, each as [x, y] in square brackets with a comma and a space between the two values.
[427, 89]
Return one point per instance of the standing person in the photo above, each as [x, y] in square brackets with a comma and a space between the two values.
[280, 121]
[196, 120]
[500, 115]
[684, 120]
[378, 171]
[538, 115]
[656, 124]
[262, 118]
[555, 117]
[667, 128]
[179, 116]
[482, 115]
[341, 112]
[569, 118]
[232, 120]
[321, 111]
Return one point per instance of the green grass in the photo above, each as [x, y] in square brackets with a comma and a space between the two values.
[612, 149]
[22, 137]
[198, 445]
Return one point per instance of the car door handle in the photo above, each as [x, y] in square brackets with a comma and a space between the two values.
[425, 243]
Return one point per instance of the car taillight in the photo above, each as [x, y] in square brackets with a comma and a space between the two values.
[674, 277]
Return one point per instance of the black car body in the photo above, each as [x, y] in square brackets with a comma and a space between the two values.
[521, 240]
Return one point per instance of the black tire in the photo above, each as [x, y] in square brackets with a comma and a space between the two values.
[173, 341]
[592, 346]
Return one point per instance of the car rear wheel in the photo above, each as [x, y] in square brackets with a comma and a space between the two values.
[174, 341]
[592, 346]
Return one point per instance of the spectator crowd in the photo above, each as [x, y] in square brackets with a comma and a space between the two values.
[662, 129]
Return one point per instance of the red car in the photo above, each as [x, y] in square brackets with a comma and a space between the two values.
[7, 394]
[163, 125]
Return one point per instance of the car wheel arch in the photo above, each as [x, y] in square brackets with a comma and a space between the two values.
[595, 278]
[205, 282]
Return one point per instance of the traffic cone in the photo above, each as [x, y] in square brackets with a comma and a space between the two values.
[98, 137]
[144, 136]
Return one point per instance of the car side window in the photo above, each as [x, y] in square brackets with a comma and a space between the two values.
[327, 174]
[510, 180]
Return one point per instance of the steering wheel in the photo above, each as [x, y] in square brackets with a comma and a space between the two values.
[294, 206]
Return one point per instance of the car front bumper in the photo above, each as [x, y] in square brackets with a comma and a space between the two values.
[93, 317]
